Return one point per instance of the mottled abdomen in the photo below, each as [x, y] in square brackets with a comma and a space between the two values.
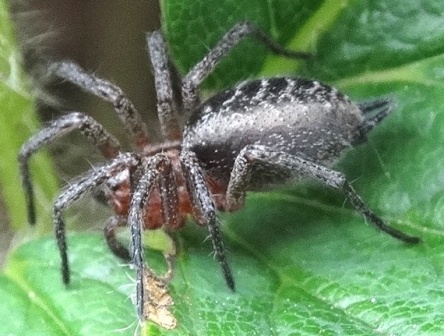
[296, 116]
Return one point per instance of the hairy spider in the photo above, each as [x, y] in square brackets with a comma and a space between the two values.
[257, 135]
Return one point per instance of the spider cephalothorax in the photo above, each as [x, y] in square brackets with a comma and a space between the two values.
[259, 134]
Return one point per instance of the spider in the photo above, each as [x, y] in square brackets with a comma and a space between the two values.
[257, 135]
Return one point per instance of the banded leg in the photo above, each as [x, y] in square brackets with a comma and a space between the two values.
[256, 154]
[109, 92]
[77, 190]
[235, 35]
[95, 132]
[166, 105]
[110, 236]
[204, 209]
[157, 171]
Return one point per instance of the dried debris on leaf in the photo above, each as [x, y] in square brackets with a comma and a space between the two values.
[159, 301]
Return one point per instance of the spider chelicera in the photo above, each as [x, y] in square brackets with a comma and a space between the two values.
[257, 135]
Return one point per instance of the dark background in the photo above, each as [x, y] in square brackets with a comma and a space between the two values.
[105, 37]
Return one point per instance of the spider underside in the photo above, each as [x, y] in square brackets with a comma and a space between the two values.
[158, 185]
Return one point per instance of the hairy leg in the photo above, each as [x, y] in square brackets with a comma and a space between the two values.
[109, 92]
[232, 38]
[77, 190]
[205, 210]
[95, 132]
[256, 154]
[166, 105]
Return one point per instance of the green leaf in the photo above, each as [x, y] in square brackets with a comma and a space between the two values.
[97, 300]
[304, 262]
[17, 122]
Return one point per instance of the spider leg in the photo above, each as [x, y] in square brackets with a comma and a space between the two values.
[204, 209]
[75, 191]
[95, 132]
[235, 35]
[166, 105]
[168, 195]
[138, 204]
[108, 92]
[256, 154]
[157, 169]
[110, 235]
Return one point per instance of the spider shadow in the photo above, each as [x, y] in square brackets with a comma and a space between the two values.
[271, 220]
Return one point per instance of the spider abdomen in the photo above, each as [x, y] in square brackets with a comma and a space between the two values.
[296, 116]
